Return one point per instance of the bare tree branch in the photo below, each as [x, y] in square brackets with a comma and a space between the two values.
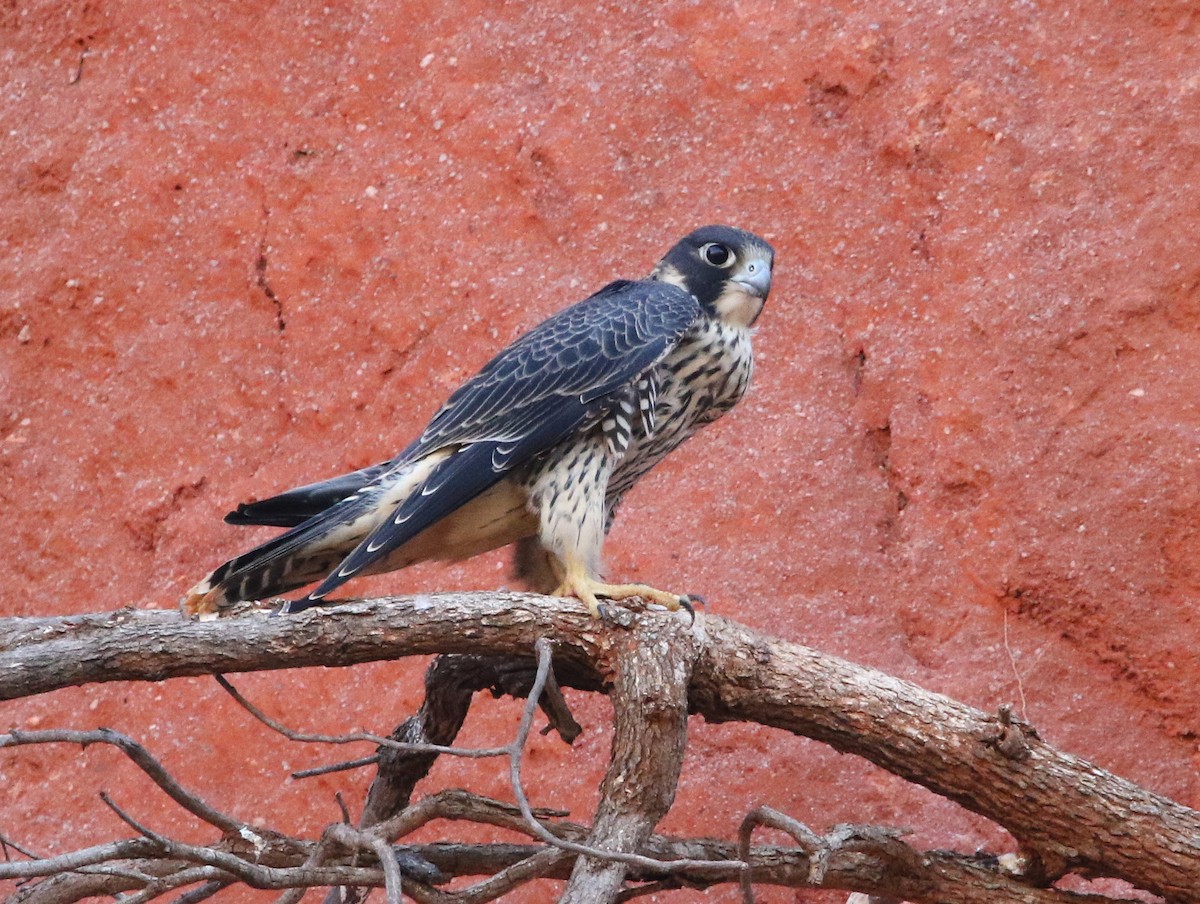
[1066, 813]
[354, 737]
[344, 766]
[450, 684]
[144, 761]
[649, 696]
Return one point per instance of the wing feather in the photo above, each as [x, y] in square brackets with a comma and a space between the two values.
[296, 506]
[584, 352]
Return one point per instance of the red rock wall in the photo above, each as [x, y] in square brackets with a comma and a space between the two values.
[250, 245]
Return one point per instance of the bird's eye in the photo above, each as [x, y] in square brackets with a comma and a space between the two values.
[716, 254]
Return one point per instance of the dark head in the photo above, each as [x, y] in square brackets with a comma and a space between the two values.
[727, 269]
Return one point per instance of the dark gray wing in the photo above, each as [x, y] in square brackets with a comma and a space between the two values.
[528, 399]
[579, 355]
[298, 505]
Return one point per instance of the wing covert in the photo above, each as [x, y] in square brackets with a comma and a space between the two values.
[578, 355]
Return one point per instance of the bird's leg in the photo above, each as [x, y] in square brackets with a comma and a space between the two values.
[574, 580]
[578, 581]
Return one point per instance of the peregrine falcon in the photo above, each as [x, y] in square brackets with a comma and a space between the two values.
[542, 443]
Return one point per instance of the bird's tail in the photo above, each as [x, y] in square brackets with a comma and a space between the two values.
[304, 554]
[310, 550]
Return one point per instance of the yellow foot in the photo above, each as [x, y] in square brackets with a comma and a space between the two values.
[588, 590]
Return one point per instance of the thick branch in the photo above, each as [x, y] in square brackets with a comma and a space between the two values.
[1068, 811]
[649, 696]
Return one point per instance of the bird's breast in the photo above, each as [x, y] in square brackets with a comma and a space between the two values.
[699, 380]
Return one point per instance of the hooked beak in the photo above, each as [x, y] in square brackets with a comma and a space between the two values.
[755, 277]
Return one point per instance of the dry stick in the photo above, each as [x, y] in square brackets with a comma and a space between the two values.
[142, 758]
[76, 861]
[456, 804]
[354, 737]
[810, 843]
[369, 839]
[6, 843]
[391, 870]
[342, 806]
[337, 767]
[316, 858]
[876, 860]
[211, 875]
[510, 877]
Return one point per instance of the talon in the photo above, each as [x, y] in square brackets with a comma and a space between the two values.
[685, 603]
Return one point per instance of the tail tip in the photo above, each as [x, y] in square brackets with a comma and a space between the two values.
[203, 601]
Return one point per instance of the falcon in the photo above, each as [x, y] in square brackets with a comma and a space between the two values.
[539, 446]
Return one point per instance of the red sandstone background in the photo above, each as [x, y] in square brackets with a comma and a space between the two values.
[250, 245]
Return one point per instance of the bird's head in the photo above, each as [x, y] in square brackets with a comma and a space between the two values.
[727, 269]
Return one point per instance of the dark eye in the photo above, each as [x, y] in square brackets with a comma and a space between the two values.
[716, 254]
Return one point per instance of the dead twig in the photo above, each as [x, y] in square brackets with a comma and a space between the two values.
[353, 737]
[142, 758]
[337, 767]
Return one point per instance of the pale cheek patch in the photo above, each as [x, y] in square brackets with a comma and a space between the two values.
[738, 307]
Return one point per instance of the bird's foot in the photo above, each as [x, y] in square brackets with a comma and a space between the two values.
[589, 591]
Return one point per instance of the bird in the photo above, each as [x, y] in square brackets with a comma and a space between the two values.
[539, 447]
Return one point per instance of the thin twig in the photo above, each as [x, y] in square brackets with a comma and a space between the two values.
[316, 858]
[554, 704]
[810, 842]
[1012, 662]
[75, 861]
[203, 893]
[160, 840]
[210, 875]
[457, 804]
[337, 767]
[6, 843]
[354, 737]
[510, 877]
[142, 758]
[647, 888]
[342, 806]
